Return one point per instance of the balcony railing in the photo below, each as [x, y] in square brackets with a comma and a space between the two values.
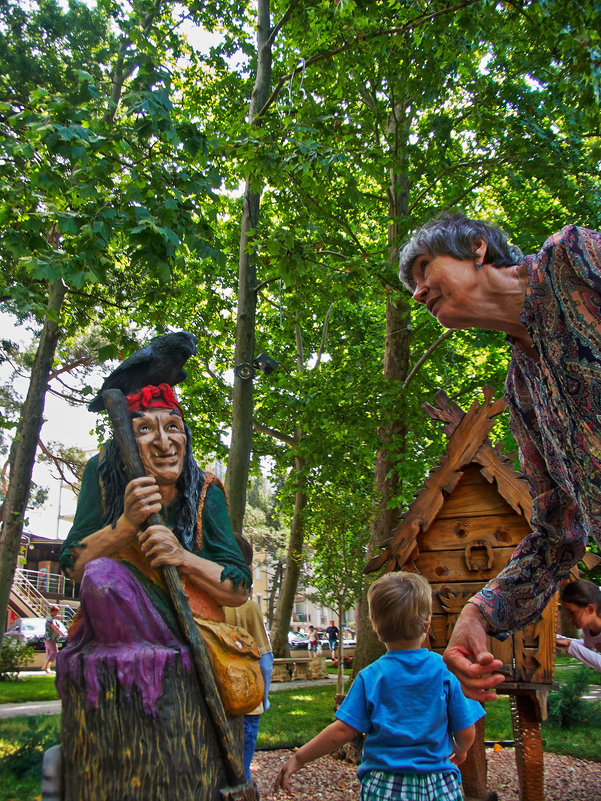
[46, 583]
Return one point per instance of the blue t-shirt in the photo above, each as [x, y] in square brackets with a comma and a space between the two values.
[408, 704]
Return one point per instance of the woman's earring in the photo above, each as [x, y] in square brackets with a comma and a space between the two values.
[478, 266]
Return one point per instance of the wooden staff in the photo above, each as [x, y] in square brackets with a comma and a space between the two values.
[240, 789]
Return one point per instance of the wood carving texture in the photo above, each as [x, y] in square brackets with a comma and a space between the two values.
[117, 752]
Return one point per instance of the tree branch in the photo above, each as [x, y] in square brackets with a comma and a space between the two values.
[298, 334]
[324, 335]
[427, 355]
[58, 463]
[277, 28]
[453, 168]
[265, 282]
[271, 432]
[358, 41]
[119, 74]
[68, 367]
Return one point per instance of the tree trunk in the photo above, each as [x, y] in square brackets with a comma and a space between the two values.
[340, 671]
[274, 593]
[279, 639]
[28, 432]
[396, 367]
[242, 403]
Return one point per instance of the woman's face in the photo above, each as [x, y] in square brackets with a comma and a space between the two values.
[448, 287]
[161, 439]
[580, 616]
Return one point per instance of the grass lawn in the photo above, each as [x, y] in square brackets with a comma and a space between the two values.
[42, 687]
[28, 688]
[565, 665]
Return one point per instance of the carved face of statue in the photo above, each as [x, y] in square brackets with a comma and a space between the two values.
[161, 439]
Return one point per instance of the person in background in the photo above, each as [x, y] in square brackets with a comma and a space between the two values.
[313, 640]
[582, 601]
[332, 633]
[549, 306]
[249, 616]
[418, 724]
[52, 635]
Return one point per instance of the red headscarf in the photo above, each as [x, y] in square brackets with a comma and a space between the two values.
[151, 397]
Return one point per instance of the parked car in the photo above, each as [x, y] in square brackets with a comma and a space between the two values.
[297, 640]
[31, 630]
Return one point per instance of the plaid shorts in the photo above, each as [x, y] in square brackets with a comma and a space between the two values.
[376, 785]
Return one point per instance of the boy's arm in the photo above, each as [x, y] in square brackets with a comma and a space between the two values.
[327, 741]
[462, 742]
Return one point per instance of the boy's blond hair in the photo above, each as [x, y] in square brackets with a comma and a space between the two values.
[399, 606]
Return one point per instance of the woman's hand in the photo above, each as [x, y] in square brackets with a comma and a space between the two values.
[467, 657]
[142, 498]
[160, 547]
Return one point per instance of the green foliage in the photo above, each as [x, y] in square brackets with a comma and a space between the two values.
[25, 759]
[15, 655]
[101, 183]
[566, 707]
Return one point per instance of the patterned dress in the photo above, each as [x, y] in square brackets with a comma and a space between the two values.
[555, 411]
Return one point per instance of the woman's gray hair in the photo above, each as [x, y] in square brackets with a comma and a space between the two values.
[454, 234]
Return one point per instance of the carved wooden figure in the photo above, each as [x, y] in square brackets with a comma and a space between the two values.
[473, 511]
[143, 716]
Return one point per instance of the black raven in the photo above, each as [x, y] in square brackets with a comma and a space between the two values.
[161, 361]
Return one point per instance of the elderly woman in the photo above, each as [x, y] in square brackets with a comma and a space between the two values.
[549, 305]
[196, 538]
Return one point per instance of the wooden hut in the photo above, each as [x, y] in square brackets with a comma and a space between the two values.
[459, 532]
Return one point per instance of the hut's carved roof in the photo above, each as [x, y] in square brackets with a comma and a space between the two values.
[468, 444]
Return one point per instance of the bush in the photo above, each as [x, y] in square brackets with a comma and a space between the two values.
[14, 656]
[26, 759]
[566, 707]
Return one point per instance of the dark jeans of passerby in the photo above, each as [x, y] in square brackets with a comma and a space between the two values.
[251, 730]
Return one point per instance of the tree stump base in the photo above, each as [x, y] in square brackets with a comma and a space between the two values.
[135, 725]
[119, 752]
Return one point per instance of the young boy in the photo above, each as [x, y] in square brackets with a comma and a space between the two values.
[418, 724]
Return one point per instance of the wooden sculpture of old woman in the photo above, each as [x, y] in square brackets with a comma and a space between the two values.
[126, 606]
[196, 537]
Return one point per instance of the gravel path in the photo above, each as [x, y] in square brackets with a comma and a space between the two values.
[329, 779]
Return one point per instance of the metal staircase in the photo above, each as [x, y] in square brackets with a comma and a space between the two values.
[27, 597]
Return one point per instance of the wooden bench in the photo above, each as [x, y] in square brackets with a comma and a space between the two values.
[295, 668]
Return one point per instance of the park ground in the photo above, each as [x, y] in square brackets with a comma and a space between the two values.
[572, 758]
